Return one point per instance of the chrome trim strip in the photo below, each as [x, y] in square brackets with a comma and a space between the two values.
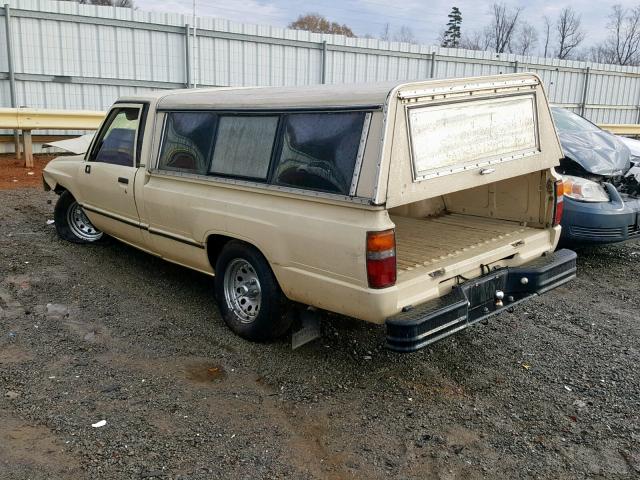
[142, 226]
[111, 216]
[422, 92]
[361, 149]
[266, 188]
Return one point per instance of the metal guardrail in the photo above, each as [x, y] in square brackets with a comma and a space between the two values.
[27, 119]
[621, 129]
[44, 119]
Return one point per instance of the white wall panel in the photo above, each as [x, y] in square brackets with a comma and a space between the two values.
[68, 55]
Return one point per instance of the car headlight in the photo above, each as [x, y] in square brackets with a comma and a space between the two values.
[584, 190]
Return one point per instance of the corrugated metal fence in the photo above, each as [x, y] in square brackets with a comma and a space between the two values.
[72, 56]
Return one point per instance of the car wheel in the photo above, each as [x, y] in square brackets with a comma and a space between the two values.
[250, 299]
[71, 222]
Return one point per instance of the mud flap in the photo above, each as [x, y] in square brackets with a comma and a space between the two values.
[309, 326]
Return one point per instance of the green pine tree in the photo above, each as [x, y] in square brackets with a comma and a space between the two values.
[452, 34]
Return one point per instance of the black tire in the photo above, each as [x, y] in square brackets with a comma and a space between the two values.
[271, 321]
[61, 213]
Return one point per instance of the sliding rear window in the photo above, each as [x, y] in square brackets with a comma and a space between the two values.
[319, 151]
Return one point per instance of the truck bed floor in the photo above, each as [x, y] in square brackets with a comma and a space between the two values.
[440, 241]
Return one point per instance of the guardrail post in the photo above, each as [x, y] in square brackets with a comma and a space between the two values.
[585, 90]
[515, 66]
[323, 73]
[28, 148]
[12, 74]
[432, 73]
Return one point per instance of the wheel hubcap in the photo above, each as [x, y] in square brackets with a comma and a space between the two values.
[80, 225]
[242, 290]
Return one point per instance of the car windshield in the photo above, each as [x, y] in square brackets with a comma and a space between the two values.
[567, 121]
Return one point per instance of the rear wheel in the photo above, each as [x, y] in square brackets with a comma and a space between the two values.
[250, 299]
[72, 223]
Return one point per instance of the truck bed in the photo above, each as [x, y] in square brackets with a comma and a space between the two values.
[438, 242]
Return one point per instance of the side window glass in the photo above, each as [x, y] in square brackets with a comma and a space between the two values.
[117, 143]
[187, 141]
[319, 151]
[244, 145]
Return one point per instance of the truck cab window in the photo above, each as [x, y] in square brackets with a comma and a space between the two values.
[117, 142]
[188, 137]
[319, 151]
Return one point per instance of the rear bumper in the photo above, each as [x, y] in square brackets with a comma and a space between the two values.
[475, 300]
[601, 222]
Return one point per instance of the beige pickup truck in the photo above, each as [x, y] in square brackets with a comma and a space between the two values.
[426, 206]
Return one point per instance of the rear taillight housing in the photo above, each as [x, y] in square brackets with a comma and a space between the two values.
[559, 202]
[381, 258]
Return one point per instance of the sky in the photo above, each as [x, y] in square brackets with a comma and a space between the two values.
[426, 19]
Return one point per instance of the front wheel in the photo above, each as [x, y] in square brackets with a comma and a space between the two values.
[250, 299]
[72, 223]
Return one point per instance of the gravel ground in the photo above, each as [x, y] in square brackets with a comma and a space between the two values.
[90, 333]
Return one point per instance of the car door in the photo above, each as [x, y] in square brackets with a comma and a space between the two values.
[109, 173]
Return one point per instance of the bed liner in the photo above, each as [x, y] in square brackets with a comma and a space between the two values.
[436, 242]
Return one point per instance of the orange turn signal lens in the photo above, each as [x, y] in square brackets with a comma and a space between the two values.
[381, 241]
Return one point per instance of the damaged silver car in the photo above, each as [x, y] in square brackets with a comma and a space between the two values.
[601, 191]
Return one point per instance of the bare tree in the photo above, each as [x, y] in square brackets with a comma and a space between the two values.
[314, 22]
[570, 35]
[624, 35]
[385, 35]
[405, 34]
[600, 53]
[547, 35]
[478, 40]
[525, 39]
[502, 27]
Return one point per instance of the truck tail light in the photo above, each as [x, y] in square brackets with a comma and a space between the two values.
[381, 258]
[559, 202]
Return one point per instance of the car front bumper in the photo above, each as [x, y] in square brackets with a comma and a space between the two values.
[476, 299]
[601, 222]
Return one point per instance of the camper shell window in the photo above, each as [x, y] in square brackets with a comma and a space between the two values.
[319, 151]
[495, 130]
[312, 150]
[188, 138]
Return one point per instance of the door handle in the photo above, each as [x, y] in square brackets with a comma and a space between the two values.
[123, 180]
[87, 169]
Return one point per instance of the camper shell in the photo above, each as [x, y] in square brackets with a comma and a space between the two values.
[423, 205]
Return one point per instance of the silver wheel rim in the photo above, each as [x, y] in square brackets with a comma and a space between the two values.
[80, 225]
[242, 290]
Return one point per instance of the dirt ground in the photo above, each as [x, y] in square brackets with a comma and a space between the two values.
[105, 332]
[13, 174]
